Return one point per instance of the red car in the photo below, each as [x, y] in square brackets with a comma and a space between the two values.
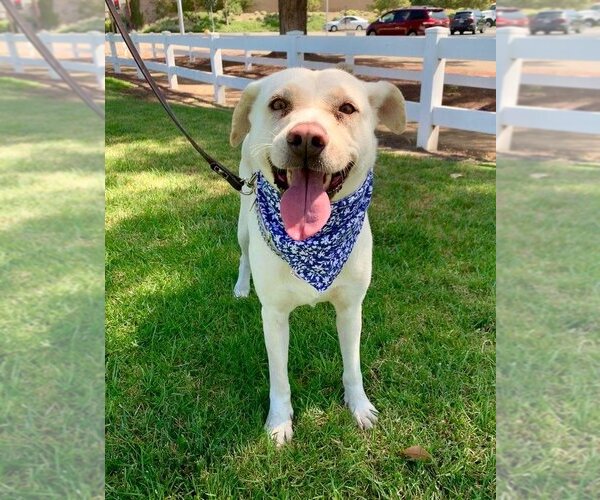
[410, 21]
[511, 17]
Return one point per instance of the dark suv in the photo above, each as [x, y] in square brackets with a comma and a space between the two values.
[467, 20]
[566, 21]
[410, 21]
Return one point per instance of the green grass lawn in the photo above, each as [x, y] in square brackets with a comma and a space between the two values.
[187, 379]
[548, 347]
[51, 294]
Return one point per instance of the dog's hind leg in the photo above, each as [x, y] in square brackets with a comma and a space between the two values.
[242, 287]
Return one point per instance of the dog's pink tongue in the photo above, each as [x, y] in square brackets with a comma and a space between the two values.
[305, 206]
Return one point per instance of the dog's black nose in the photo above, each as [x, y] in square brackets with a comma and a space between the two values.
[307, 139]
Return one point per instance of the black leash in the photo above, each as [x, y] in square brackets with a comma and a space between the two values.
[49, 57]
[234, 180]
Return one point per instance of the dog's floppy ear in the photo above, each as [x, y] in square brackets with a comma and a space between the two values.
[240, 123]
[388, 101]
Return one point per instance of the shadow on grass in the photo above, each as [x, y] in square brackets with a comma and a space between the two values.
[210, 127]
[187, 375]
[51, 399]
[51, 363]
[189, 358]
[176, 363]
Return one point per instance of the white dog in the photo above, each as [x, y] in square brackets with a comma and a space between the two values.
[304, 234]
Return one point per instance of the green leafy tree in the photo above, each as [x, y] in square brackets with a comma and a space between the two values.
[230, 8]
[136, 18]
[314, 5]
[548, 4]
[86, 10]
[462, 4]
[47, 17]
[246, 5]
[382, 5]
[167, 7]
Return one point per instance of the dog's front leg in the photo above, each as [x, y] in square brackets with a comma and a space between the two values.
[349, 325]
[242, 287]
[277, 335]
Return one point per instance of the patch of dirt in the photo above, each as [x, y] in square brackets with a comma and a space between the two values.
[550, 145]
[453, 143]
[560, 98]
[462, 97]
[57, 88]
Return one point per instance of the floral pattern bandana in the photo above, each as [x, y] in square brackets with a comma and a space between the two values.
[318, 259]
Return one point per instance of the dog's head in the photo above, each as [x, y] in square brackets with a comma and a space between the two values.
[312, 134]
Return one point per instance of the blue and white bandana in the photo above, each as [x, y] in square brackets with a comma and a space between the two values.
[318, 259]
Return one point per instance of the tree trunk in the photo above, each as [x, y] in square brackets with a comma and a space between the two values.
[292, 16]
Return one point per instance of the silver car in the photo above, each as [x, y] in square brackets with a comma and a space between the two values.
[346, 23]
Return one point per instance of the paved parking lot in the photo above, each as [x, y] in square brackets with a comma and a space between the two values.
[490, 32]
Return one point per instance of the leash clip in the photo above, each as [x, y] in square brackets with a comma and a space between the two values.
[250, 184]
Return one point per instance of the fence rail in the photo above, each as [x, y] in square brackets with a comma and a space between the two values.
[514, 46]
[433, 49]
[85, 52]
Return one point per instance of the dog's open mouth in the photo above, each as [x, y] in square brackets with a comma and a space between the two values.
[332, 183]
[305, 201]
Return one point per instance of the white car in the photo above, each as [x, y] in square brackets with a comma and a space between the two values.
[490, 16]
[591, 16]
[347, 23]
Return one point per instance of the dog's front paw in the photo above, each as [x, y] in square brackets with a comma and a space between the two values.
[362, 410]
[241, 290]
[279, 427]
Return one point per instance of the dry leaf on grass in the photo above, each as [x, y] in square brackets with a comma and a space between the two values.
[456, 176]
[539, 176]
[416, 453]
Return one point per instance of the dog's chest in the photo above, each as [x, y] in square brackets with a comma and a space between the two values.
[274, 279]
[317, 260]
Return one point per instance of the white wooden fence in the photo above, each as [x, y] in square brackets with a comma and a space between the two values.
[77, 52]
[84, 52]
[434, 49]
[515, 46]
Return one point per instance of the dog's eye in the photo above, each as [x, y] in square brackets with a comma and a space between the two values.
[347, 108]
[278, 104]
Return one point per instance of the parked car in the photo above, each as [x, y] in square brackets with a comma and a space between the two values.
[547, 21]
[467, 20]
[352, 23]
[591, 16]
[410, 21]
[511, 17]
[490, 16]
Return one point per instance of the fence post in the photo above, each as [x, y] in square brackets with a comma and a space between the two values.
[15, 60]
[191, 57]
[32, 51]
[294, 57]
[114, 53]
[508, 81]
[216, 64]
[247, 57]
[349, 57]
[432, 88]
[97, 48]
[170, 60]
[45, 37]
[134, 38]
[75, 49]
